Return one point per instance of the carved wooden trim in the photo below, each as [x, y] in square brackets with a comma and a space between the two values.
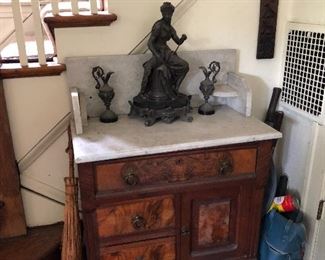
[14, 70]
[267, 29]
[68, 21]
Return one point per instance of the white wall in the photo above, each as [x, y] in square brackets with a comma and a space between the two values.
[36, 104]
[308, 11]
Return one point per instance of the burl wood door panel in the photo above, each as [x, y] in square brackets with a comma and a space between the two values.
[214, 223]
[172, 168]
[159, 249]
[132, 217]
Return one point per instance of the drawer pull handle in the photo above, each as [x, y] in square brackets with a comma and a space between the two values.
[225, 166]
[139, 257]
[138, 222]
[185, 231]
[130, 177]
[2, 204]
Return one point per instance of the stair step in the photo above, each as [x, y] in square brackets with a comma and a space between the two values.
[42, 242]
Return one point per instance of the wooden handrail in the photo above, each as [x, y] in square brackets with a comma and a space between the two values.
[81, 20]
[53, 68]
[15, 70]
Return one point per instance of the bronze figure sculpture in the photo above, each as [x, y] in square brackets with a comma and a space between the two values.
[159, 98]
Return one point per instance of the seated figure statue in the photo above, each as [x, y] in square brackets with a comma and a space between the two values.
[159, 98]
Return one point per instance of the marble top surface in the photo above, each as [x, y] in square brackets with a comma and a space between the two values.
[129, 137]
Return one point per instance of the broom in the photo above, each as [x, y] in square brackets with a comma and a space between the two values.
[71, 240]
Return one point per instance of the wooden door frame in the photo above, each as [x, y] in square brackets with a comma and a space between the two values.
[12, 216]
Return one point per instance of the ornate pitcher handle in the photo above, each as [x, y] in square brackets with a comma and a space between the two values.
[215, 68]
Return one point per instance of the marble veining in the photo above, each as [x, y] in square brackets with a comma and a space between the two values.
[129, 137]
[128, 69]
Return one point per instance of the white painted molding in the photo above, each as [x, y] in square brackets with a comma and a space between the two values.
[44, 143]
[42, 188]
[19, 32]
[76, 110]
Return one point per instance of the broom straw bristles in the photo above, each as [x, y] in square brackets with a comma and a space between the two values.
[71, 239]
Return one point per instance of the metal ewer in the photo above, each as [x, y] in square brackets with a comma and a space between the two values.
[105, 92]
[207, 87]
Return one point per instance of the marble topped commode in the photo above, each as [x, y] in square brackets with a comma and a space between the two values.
[95, 141]
[154, 190]
[129, 137]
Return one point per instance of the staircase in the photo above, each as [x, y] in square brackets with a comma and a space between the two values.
[41, 243]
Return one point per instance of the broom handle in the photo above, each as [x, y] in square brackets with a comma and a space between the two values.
[69, 150]
[272, 106]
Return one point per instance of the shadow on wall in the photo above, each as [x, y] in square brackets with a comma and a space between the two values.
[260, 95]
[282, 150]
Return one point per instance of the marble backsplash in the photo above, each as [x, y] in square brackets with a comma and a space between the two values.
[128, 69]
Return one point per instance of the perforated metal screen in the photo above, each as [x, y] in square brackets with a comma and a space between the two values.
[304, 71]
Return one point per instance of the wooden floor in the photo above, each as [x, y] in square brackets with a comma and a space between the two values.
[40, 243]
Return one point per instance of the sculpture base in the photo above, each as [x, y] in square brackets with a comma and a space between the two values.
[167, 114]
[108, 116]
[206, 109]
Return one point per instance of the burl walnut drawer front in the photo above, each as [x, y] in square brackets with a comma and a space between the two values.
[159, 249]
[174, 168]
[152, 214]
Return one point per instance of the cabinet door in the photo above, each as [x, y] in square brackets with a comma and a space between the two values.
[215, 223]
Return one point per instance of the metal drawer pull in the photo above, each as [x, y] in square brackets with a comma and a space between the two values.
[185, 231]
[130, 177]
[225, 165]
[138, 222]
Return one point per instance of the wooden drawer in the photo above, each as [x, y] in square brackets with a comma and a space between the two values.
[158, 249]
[168, 168]
[132, 217]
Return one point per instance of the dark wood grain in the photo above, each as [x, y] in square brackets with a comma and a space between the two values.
[67, 21]
[12, 217]
[41, 243]
[267, 29]
[217, 223]
[152, 214]
[200, 197]
[262, 172]
[213, 223]
[15, 70]
[87, 194]
[159, 249]
[87, 187]
[174, 168]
